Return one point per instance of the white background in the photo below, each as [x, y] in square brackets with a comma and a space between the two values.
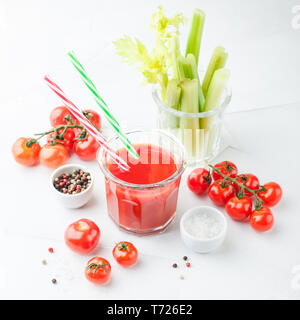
[264, 53]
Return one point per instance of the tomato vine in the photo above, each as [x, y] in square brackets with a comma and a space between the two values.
[259, 201]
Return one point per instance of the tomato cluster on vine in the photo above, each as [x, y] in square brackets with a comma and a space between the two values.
[66, 136]
[237, 192]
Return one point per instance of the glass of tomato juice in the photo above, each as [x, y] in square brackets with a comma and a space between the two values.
[143, 200]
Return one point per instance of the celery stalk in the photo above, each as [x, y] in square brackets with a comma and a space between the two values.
[175, 53]
[212, 131]
[189, 98]
[173, 94]
[189, 104]
[216, 88]
[180, 67]
[172, 100]
[214, 94]
[217, 61]
[193, 72]
[195, 34]
[213, 99]
[199, 144]
[187, 69]
[188, 139]
[163, 85]
[177, 133]
[206, 144]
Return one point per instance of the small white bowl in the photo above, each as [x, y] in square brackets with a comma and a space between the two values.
[72, 200]
[203, 245]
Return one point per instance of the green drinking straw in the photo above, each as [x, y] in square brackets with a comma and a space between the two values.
[101, 103]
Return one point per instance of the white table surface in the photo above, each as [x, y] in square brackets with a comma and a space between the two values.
[264, 59]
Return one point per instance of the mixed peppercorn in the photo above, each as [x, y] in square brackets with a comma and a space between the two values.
[188, 265]
[72, 183]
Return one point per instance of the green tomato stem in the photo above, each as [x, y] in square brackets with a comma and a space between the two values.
[97, 266]
[65, 127]
[242, 186]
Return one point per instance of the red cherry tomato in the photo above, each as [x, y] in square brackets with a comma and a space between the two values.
[262, 220]
[58, 114]
[94, 117]
[249, 180]
[53, 156]
[226, 167]
[67, 141]
[26, 151]
[82, 236]
[98, 270]
[86, 149]
[220, 192]
[125, 253]
[271, 194]
[199, 180]
[239, 209]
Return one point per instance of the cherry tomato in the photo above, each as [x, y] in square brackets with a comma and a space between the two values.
[82, 236]
[125, 253]
[239, 209]
[226, 167]
[53, 156]
[271, 194]
[262, 219]
[26, 151]
[98, 270]
[58, 114]
[67, 141]
[94, 117]
[86, 149]
[249, 180]
[199, 180]
[220, 192]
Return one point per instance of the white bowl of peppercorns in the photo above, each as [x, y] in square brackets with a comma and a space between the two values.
[72, 184]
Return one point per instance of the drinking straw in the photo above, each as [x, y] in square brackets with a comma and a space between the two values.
[77, 113]
[102, 104]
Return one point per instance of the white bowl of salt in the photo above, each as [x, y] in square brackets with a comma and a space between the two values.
[203, 229]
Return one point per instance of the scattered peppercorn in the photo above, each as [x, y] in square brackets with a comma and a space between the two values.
[185, 258]
[72, 183]
[188, 264]
[54, 281]
[174, 265]
[51, 250]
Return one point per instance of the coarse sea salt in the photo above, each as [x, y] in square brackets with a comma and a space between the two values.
[203, 226]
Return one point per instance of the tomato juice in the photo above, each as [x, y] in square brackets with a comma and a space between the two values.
[144, 198]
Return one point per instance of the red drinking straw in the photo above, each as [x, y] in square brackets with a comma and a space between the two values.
[77, 113]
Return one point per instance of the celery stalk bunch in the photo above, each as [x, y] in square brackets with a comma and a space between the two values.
[177, 74]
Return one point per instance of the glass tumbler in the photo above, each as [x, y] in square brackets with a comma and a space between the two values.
[200, 133]
[144, 208]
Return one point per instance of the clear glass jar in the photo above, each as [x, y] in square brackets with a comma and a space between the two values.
[144, 208]
[202, 143]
